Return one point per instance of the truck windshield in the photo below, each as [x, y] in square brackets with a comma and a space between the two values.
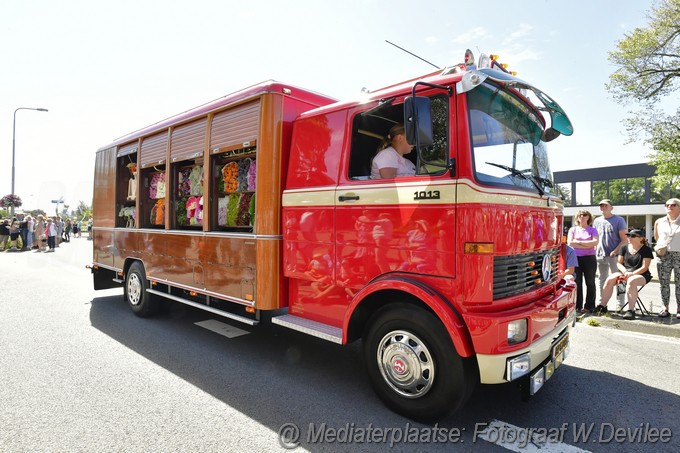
[506, 141]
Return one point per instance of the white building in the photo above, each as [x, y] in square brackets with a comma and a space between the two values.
[629, 187]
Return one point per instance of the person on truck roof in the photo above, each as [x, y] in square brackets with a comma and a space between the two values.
[390, 161]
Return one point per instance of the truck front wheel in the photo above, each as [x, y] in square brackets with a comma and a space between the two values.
[140, 301]
[412, 364]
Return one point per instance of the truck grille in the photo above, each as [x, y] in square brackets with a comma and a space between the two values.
[519, 273]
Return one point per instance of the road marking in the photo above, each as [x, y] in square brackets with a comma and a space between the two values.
[222, 328]
[515, 438]
[646, 336]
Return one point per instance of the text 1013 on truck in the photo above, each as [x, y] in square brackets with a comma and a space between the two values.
[262, 201]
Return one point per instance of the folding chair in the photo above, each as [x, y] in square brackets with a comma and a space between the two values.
[639, 305]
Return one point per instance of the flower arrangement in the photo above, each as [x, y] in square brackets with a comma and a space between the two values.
[132, 166]
[230, 174]
[10, 200]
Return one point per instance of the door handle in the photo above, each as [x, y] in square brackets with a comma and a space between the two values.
[348, 197]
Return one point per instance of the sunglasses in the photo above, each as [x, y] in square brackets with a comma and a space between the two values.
[671, 205]
[634, 236]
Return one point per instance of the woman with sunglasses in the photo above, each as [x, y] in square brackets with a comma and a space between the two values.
[667, 232]
[633, 265]
[584, 239]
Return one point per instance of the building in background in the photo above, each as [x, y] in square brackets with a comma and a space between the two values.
[629, 187]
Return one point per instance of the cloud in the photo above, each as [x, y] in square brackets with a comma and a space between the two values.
[524, 30]
[431, 40]
[473, 35]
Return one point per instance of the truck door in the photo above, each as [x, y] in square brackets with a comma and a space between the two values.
[402, 224]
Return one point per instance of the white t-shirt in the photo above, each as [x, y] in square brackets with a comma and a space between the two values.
[390, 158]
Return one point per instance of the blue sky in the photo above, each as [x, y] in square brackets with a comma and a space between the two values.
[104, 69]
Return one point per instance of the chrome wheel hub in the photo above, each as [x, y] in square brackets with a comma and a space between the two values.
[406, 364]
[134, 289]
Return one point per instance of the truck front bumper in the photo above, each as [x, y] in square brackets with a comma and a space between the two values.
[539, 359]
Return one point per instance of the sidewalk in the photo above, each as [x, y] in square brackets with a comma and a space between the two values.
[651, 298]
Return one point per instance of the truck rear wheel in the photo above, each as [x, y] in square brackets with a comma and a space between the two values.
[140, 301]
[413, 366]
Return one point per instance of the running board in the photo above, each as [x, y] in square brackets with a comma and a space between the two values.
[310, 327]
[214, 310]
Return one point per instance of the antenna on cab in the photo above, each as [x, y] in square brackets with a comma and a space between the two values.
[411, 53]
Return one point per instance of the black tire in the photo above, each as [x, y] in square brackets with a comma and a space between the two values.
[138, 298]
[413, 366]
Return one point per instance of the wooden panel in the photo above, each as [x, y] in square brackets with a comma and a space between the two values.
[233, 127]
[130, 148]
[153, 149]
[188, 141]
[104, 203]
[102, 247]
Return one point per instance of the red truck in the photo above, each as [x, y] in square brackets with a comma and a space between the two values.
[263, 200]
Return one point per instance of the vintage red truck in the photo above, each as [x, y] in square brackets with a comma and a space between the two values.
[262, 201]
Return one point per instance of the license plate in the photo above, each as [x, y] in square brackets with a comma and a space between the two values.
[557, 351]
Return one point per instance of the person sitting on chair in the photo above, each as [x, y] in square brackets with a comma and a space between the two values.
[633, 264]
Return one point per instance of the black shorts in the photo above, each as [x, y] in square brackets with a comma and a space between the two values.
[14, 236]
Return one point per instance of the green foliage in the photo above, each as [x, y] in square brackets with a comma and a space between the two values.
[648, 71]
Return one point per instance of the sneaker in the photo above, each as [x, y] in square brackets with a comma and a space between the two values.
[600, 310]
[630, 314]
[664, 313]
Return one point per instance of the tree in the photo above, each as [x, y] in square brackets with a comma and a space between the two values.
[648, 71]
[83, 211]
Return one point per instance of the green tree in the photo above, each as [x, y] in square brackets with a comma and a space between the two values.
[83, 211]
[648, 71]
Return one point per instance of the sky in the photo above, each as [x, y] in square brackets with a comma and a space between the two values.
[105, 69]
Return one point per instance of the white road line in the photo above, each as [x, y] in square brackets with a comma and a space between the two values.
[222, 328]
[647, 337]
[515, 438]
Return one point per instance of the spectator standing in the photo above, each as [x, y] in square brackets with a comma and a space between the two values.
[23, 231]
[29, 234]
[667, 233]
[51, 231]
[584, 239]
[612, 231]
[4, 234]
[67, 230]
[39, 232]
[14, 232]
[59, 224]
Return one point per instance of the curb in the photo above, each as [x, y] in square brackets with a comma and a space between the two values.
[667, 327]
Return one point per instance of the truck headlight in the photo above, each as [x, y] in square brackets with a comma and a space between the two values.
[517, 367]
[517, 331]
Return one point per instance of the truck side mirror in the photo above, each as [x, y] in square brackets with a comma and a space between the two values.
[418, 120]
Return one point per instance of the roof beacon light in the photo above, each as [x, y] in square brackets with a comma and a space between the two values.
[484, 61]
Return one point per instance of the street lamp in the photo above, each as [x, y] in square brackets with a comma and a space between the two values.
[14, 132]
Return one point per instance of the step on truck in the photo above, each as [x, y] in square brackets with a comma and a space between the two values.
[263, 201]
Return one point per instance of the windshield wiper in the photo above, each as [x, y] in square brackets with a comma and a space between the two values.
[520, 174]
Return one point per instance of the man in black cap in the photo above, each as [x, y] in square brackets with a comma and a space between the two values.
[612, 230]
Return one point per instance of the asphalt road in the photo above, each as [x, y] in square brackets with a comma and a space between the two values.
[79, 372]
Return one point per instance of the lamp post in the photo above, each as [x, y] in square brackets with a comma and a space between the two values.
[14, 133]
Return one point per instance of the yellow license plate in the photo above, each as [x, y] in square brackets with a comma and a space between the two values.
[557, 352]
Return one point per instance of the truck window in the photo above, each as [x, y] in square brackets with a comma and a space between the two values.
[234, 186]
[152, 197]
[506, 141]
[187, 208]
[370, 127]
[126, 186]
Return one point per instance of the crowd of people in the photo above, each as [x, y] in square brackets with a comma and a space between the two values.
[622, 258]
[41, 234]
